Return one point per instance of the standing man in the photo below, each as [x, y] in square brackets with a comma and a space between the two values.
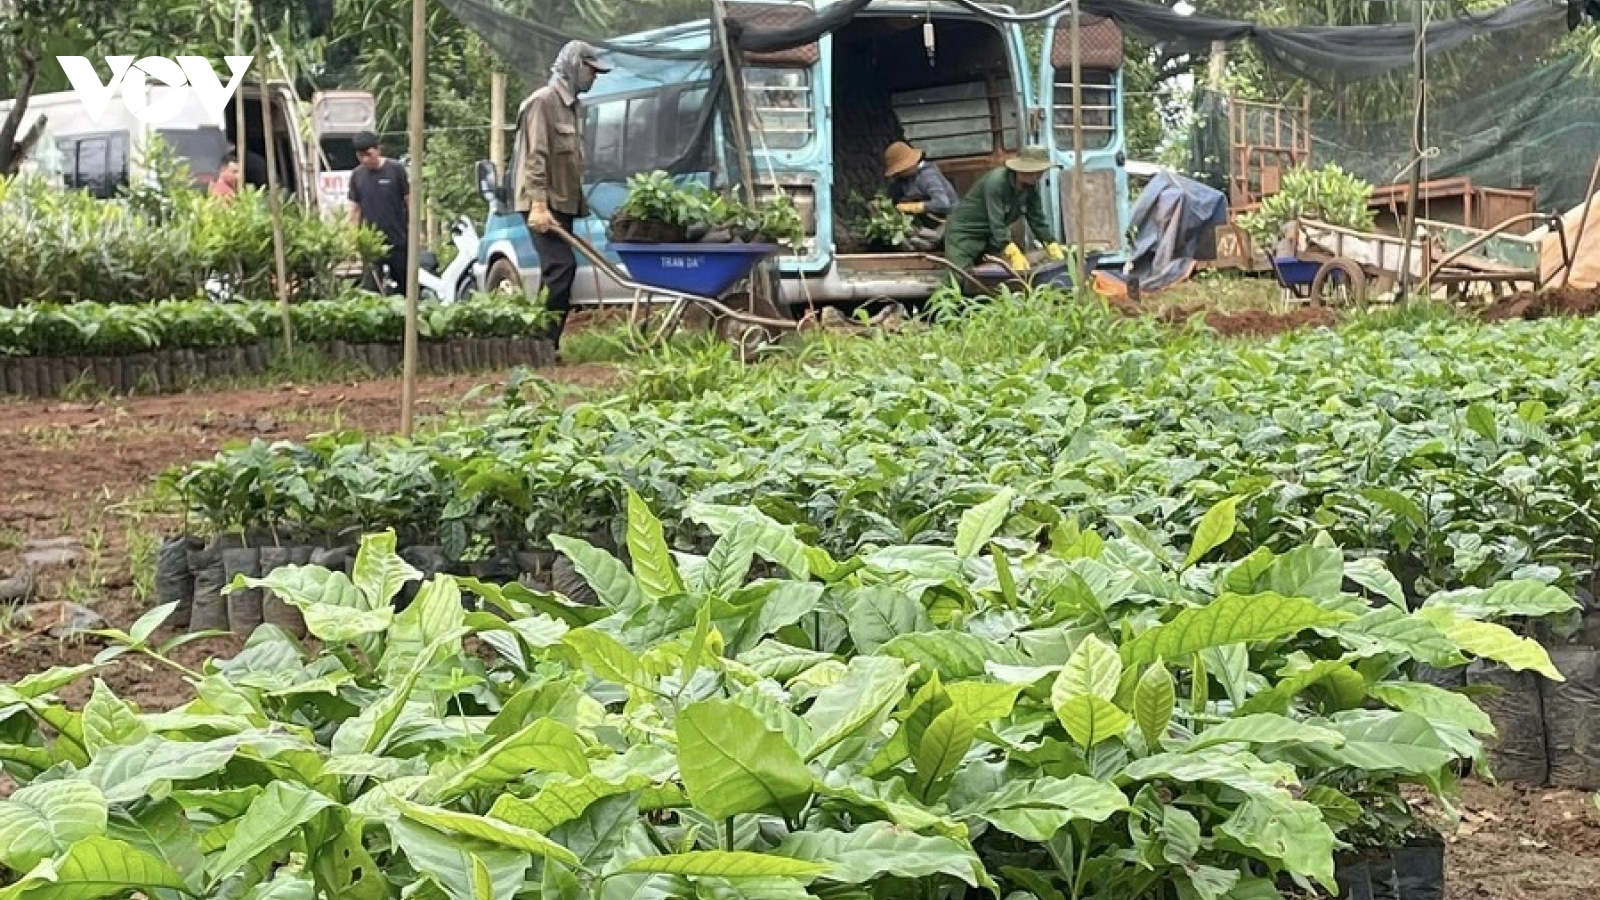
[981, 223]
[380, 196]
[551, 187]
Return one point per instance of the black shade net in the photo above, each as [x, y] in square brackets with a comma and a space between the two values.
[1314, 52]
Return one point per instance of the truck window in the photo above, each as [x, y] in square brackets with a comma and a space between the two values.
[779, 100]
[341, 153]
[959, 119]
[97, 163]
[1099, 108]
[202, 148]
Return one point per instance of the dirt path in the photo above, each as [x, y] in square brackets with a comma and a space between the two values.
[84, 471]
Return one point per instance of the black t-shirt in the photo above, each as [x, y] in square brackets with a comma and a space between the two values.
[382, 197]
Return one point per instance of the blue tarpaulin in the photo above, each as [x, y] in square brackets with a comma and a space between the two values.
[1173, 216]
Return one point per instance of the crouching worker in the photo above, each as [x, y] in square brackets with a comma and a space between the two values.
[981, 223]
[921, 191]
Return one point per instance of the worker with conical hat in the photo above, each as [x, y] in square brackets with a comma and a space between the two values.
[916, 185]
[981, 223]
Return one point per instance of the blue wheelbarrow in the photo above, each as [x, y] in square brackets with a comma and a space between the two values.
[685, 275]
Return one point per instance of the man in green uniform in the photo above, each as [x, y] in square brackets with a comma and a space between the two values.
[981, 223]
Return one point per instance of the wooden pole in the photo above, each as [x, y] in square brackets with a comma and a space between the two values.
[275, 203]
[419, 87]
[1419, 91]
[1080, 276]
[497, 120]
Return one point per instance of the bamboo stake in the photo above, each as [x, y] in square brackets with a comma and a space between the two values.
[275, 203]
[1079, 276]
[497, 120]
[419, 87]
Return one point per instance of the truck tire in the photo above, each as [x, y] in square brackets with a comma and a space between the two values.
[503, 278]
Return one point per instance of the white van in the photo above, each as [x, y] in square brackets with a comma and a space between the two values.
[314, 154]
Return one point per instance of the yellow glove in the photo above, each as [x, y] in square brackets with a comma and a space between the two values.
[1015, 259]
[1053, 251]
[539, 218]
[911, 208]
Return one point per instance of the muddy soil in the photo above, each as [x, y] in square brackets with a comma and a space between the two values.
[1528, 305]
[1253, 322]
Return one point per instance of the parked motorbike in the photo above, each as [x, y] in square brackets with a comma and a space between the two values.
[455, 282]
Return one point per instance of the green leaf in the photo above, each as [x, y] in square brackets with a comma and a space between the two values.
[728, 864]
[109, 721]
[878, 849]
[341, 625]
[434, 613]
[1308, 571]
[1154, 699]
[981, 522]
[871, 687]
[1215, 528]
[1244, 772]
[1230, 619]
[386, 712]
[379, 572]
[1373, 575]
[608, 658]
[953, 654]
[450, 859]
[732, 763]
[728, 563]
[889, 799]
[1480, 418]
[126, 774]
[545, 745]
[162, 830]
[305, 587]
[286, 885]
[1264, 728]
[44, 819]
[774, 542]
[559, 802]
[1288, 831]
[493, 831]
[609, 578]
[877, 615]
[1091, 720]
[1093, 669]
[647, 547]
[1506, 599]
[1433, 703]
[1391, 630]
[281, 809]
[1382, 741]
[1036, 808]
[97, 867]
[1493, 642]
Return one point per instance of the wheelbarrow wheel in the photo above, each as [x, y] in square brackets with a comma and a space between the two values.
[1339, 282]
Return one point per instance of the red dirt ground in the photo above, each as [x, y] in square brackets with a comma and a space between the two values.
[1564, 302]
[83, 470]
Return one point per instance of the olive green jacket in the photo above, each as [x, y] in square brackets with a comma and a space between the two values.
[982, 220]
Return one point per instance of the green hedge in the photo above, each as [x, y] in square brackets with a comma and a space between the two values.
[161, 242]
[110, 329]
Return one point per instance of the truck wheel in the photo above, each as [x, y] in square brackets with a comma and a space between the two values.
[503, 278]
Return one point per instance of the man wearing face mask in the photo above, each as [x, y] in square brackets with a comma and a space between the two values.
[551, 188]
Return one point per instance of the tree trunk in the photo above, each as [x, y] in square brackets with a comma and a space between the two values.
[10, 159]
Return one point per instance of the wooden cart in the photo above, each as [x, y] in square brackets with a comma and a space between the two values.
[1331, 265]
